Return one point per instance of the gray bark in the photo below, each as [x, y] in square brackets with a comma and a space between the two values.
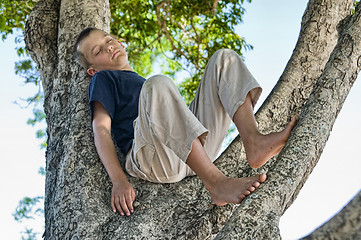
[306, 142]
[77, 186]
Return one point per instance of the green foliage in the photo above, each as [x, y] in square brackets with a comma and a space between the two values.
[30, 234]
[354, 5]
[13, 15]
[12, 19]
[26, 69]
[38, 116]
[179, 34]
[41, 171]
[28, 208]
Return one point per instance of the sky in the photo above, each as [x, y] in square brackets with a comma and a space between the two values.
[272, 27]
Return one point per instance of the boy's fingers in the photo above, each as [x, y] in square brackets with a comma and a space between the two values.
[117, 204]
[130, 204]
[133, 195]
[124, 205]
[112, 204]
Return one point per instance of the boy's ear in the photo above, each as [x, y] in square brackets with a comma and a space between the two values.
[91, 71]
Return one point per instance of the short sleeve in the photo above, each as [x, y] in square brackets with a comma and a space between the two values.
[102, 90]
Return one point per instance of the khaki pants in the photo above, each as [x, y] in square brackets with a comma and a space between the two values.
[166, 127]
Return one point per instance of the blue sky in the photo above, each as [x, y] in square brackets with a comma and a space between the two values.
[272, 27]
[20, 152]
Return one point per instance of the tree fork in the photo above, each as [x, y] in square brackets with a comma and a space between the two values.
[77, 187]
[259, 216]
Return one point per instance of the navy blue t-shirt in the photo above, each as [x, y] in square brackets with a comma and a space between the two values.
[118, 92]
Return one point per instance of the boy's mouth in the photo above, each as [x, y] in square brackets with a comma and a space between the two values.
[115, 53]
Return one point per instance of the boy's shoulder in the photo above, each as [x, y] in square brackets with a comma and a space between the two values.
[117, 78]
[115, 74]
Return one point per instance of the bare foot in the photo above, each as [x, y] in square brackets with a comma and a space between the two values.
[260, 148]
[234, 190]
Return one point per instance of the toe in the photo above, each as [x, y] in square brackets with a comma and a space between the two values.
[256, 184]
[262, 178]
[246, 192]
[242, 197]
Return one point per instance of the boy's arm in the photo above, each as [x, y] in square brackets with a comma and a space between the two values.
[123, 193]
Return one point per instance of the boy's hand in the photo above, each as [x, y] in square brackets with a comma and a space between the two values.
[123, 196]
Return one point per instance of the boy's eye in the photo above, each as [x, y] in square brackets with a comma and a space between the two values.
[110, 40]
[97, 53]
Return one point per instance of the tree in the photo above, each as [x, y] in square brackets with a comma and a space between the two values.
[316, 81]
[346, 224]
[150, 40]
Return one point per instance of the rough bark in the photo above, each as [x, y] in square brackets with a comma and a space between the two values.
[77, 186]
[346, 224]
[70, 157]
[259, 216]
[317, 39]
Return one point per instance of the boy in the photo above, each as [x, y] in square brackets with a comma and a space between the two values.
[164, 140]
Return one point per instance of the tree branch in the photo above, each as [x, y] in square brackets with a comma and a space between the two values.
[258, 216]
[316, 41]
[77, 184]
[214, 6]
[346, 224]
[302, 70]
[41, 37]
[162, 23]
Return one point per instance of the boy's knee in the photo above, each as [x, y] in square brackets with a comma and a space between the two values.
[158, 82]
[226, 57]
[224, 52]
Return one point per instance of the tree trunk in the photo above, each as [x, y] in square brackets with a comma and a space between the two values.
[78, 188]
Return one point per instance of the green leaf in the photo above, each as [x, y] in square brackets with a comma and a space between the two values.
[27, 208]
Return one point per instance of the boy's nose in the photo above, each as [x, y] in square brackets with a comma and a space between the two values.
[110, 47]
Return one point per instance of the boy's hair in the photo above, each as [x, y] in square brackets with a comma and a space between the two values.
[79, 56]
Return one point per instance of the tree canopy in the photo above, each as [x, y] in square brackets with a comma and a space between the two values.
[176, 35]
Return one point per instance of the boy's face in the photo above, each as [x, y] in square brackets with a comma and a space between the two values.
[103, 52]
